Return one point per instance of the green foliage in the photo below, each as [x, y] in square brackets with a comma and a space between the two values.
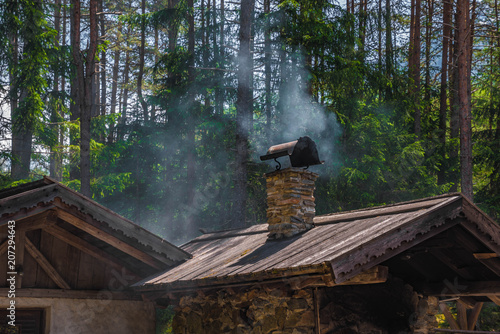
[164, 320]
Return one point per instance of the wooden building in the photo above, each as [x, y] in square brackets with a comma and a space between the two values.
[378, 270]
[75, 261]
[84, 269]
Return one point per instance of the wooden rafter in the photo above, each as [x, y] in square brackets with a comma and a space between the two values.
[35, 222]
[46, 266]
[85, 247]
[113, 241]
[448, 316]
[466, 321]
[74, 294]
[474, 315]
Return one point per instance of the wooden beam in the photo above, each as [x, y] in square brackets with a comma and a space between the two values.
[463, 288]
[20, 239]
[46, 266]
[450, 263]
[474, 315]
[74, 294]
[377, 274]
[85, 247]
[485, 256]
[464, 331]
[36, 222]
[448, 316]
[3, 246]
[25, 213]
[462, 315]
[495, 299]
[113, 241]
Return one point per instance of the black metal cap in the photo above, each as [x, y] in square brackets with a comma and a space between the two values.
[302, 152]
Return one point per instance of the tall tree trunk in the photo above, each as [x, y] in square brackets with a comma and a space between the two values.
[414, 63]
[443, 98]
[102, 68]
[463, 30]
[454, 174]
[191, 125]
[428, 40]
[267, 68]
[77, 83]
[89, 103]
[388, 49]
[141, 62]
[21, 132]
[54, 117]
[123, 119]
[219, 89]
[244, 110]
[114, 86]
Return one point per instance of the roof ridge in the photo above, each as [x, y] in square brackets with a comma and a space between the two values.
[394, 204]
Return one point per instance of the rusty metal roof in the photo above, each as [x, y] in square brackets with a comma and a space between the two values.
[28, 200]
[342, 244]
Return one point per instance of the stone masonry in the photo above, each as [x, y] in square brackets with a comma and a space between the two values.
[290, 201]
[257, 310]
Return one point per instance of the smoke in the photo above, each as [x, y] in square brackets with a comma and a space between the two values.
[298, 115]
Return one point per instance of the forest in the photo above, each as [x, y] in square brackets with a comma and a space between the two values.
[160, 109]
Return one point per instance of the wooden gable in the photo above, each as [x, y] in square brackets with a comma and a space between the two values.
[66, 244]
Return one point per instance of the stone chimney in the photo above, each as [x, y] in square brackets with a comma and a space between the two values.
[290, 201]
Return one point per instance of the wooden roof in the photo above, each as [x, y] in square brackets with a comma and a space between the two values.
[341, 246]
[67, 241]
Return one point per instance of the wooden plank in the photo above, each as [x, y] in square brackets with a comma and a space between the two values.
[26, 213]
[448, 316]
[495, 299]
[26, 201]
[317, 322]
[462, 315]
[45, 264]
[492, 263]
[381, 211]
[449, 261]
[59, 258]
[98, 275]
[113, 241]
[464, 288]
[85, 272]
[20, 239]
[163, 251]
[474, 315]
[485, 256]
[461, 331]
[30, 264]
[414, 231]
[38, 221]
[377, 274]
[84, 246]
[45, 246]
[74, 294]
[73, 256]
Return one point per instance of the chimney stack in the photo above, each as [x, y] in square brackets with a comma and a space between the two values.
[290, 201]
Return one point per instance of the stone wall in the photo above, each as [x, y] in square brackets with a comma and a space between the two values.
[256, 310]
[391, 307]
[84, 316]
[388, 308]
